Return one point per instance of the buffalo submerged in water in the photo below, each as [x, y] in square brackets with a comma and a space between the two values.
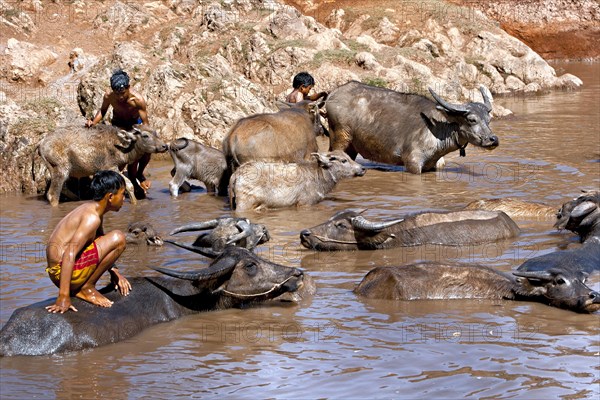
[349, 230]
[235, 278]
[557, 279]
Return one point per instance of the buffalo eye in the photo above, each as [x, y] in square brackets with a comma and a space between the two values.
[341, 225]
[472, 119]
[560, 281]
[250, 268]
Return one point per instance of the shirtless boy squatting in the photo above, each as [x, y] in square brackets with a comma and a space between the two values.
[79, 252]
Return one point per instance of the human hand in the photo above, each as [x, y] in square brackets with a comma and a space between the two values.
[63, 303]
[121, 283]
[145, 184]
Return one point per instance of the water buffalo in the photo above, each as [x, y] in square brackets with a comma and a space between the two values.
[235, 278]
[582, 216]
[514, 208]
[288, 135]
[260, 185]
[80, 152]
[143, 233]
[349, 230]
[195, 161]
[429, 281]
[404, 129]
[224, 231]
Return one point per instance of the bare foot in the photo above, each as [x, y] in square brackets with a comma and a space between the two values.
[91, 295]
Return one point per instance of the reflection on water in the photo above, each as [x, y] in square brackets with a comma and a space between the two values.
[336, 345]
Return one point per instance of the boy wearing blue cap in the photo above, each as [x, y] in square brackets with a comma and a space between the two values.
[129, 108]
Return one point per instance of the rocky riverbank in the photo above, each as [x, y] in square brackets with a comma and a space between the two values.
[201, 65]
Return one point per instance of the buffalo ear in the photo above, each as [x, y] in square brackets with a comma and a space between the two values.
[322, 160]
[136, 128]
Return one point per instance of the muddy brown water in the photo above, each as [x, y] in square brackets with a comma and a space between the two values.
[336, 345]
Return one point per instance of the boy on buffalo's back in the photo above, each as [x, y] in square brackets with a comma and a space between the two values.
[79, 252]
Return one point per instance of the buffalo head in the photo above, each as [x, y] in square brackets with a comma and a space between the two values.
[473, 120]
[144, 137]
[142, 232]
[239, 276]
[581, 215]
[559, 287]
[345, 230]
[221, 232]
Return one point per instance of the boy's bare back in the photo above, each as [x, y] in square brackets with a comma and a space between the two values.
[77, 229]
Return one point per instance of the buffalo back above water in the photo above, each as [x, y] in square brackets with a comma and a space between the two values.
[288, 135]
[441, 281]
[348, 230]
[236, 277]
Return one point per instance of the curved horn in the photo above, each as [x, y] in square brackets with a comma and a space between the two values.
[362, 223]
[205, 251]
[244, 225]
[542, 275]
[487, 101]
[218, 268]
[446, 105]
[196, 227]
[583, 209]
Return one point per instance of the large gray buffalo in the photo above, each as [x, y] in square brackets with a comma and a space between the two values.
[404, 129]
[349, 230]
[79, 152]
[235, 278]
[557, 287]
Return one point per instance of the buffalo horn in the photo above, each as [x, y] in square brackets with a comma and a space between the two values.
[542, 275]
[196, 227]
[218, 268]
[205, 251]
[361, 223]
[486, 99]
[448, 106]
[244, 225]
[583, 209]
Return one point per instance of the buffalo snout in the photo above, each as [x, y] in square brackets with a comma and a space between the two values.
[491, 142]
[304, 235]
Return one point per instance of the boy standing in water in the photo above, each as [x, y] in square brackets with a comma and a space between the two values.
[303, 84]
[129, 108]
[79, 252]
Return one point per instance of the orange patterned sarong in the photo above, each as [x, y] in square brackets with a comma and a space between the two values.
[84, 266]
